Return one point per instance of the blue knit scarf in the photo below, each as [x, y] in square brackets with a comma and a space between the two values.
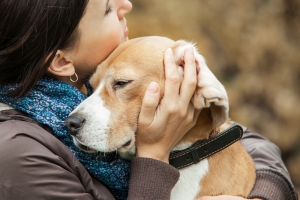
[50, 102]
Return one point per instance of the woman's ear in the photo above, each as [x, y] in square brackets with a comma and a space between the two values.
[61, 65]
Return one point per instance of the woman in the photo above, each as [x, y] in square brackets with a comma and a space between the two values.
[49, 48]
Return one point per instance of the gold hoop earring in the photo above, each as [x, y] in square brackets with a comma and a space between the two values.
[75, 77]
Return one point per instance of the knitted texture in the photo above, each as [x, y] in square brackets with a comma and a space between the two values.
[275, 189]
[163, 176]
[50, 102]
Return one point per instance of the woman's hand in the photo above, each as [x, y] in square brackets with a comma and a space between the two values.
[160, 127]
[223, 197]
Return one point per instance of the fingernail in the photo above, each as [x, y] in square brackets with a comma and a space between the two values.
[169, 51]
[152, 88]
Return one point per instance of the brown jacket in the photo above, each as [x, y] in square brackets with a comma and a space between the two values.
[36, 165]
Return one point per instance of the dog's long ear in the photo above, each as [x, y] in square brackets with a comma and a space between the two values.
[210, 93]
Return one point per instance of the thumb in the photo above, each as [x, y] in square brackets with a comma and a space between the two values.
[149, 104]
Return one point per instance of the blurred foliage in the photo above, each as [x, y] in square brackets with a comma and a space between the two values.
[253, 47]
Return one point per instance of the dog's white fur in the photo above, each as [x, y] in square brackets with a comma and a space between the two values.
[187, 186]
[111, 114]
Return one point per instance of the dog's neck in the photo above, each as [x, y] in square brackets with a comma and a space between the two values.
[205, 148]
[190, 139]
[202, 130]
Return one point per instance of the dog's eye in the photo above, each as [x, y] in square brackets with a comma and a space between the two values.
[120, 83]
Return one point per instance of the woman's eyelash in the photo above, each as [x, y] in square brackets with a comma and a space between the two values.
[109, 9]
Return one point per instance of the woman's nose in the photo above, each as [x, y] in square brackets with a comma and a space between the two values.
[125, 7]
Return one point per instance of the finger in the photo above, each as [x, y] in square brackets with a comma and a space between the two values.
[189, 83]
[206, 198]
[172, 83]
[209, 198]
[189, 122]
[149, 104]
[222, 197]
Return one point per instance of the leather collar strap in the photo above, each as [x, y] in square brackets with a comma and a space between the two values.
[205, 148]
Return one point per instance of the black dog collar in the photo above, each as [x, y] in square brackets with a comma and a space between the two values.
[205, 148]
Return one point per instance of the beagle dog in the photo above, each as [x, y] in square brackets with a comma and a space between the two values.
[210, 159]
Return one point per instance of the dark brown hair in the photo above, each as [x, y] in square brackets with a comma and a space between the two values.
[30, 31]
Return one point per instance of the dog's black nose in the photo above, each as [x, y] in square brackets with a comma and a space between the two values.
[74, 123]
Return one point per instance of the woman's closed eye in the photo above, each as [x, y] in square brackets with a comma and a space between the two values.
[109, 8]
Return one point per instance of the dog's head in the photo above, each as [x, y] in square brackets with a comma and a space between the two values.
[107, 120]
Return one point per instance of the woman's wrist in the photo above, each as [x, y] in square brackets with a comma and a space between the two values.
[153, 153]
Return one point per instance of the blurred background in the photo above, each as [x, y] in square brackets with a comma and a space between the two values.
[253, 47]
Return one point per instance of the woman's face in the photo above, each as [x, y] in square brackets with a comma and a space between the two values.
[101, 30]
